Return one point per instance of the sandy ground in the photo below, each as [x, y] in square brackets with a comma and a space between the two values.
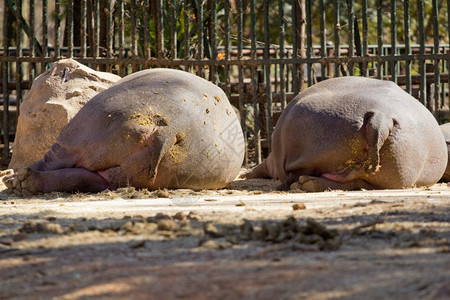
[243, 242]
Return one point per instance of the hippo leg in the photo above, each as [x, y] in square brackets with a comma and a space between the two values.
[266, 169]
[28, 182]
[55, 158]
[55, 172]
[321, 184]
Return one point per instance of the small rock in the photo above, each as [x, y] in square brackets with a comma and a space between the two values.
[180, 216]
[77, 227]
[137, 243]
[289, 223]
[233, 239]
[247, 230]
[270, 231]
[313, 239]
[257, 234]
[167, 225]
[212, 230]
[283, 236]
[186, 224]
[30, 226]
[332, 245]
[216, 245]
[161, 194]
[159, 216]
[115, 226]
[193, 216]
[162, 216]
[299, 238]
[276, 259]
[320, 229]
[299, 206]
[129, 227]
[92, 227]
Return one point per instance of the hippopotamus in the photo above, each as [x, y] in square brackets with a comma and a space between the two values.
[157, 128]
[446, 131]
[351, 133]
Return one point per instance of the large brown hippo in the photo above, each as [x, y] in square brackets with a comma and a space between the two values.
[158, 128]
[353, 133]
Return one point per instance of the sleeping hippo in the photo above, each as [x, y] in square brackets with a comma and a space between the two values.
[352, 133]
[158, 128]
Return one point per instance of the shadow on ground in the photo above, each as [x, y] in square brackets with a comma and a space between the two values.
[401, 251]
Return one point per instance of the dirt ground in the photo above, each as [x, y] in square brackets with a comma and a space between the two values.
[243, 242]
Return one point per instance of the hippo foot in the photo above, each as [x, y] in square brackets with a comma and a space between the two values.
[310, 184]
[21, 183]
[286, 184]
[5, 173]
[321, 184]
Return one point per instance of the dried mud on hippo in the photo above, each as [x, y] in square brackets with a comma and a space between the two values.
[353, 133]
[158, 128]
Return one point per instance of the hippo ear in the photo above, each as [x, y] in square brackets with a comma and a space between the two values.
[161, 146]
[377, 128]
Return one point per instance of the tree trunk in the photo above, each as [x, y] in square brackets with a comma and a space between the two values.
[301, 25]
